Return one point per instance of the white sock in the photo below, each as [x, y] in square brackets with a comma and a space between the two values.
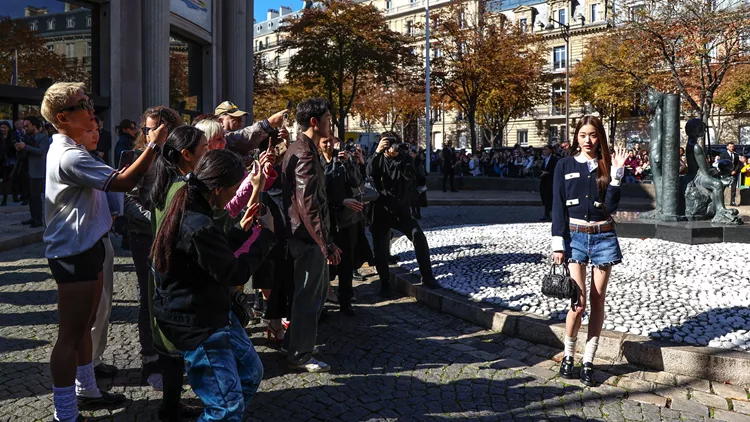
[591, 345]
[570, 346]
[86, 381]
[66, 406]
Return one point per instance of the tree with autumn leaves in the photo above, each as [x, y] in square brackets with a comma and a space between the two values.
[612, 93]
[35, 61]
[339, 45]
[489, 68]
[687, 47]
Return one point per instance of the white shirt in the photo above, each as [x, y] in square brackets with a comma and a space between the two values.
[76, 207]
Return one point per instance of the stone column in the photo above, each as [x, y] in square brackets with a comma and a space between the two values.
[155, 25]
[671, 157]
[235, 52]
[250, 63]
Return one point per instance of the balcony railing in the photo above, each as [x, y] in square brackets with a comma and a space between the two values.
[419, 4]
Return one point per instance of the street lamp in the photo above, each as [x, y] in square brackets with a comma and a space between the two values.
[566, 36]
[428, 136]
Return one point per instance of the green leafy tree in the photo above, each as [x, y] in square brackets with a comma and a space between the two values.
[339, 44]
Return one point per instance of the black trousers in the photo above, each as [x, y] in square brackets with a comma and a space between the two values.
[545, 190]
[733, 191]
[281, 271]
[446, 176]
[172, 370]
[140, 247]
[36, 190]
[383, 223]
[346, 239]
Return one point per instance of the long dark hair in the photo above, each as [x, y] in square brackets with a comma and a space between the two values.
[11, 132]
[171, 119]
[217, 169]
[604, 160]
[165, 167]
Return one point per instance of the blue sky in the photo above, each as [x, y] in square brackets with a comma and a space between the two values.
[14, 8]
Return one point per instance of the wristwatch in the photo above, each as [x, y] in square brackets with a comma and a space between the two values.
[154, 147]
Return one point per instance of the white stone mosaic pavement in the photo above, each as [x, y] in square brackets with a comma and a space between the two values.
[694, 294]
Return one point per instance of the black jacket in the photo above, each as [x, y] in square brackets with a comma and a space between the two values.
[736, 164]
[395, 180]
[449, 160]
[193, 299]
[342, 179]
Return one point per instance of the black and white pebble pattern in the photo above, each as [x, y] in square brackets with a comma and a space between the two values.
[698, 295]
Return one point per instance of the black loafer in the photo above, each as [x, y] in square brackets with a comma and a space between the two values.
[587, 374]
[105, 371]
[106, 401]
[566, 367]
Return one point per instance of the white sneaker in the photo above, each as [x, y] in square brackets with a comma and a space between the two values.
[285, 352]
[313, 365]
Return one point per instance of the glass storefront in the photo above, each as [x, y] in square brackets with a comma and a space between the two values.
[185, 77]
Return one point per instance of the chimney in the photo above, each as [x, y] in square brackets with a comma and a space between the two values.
[272, 13]
[35, 11]
[70, 7]
[285, 10]
[306, 4]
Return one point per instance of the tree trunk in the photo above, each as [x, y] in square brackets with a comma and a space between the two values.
[472, 130]
[612, 128]
[500, 138]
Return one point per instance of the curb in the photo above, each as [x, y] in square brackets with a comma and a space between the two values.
[710, 363]
[439, 202]
[22, 240]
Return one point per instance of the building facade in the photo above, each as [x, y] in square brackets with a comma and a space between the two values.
[554, 21]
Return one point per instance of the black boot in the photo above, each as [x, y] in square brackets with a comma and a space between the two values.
[5, 201]
[566, 367]
[346, 309]
[385, 290]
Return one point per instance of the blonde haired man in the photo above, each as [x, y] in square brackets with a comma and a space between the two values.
[77, 219]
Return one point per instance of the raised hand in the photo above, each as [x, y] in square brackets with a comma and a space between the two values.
[158, 135]
[619, 157]
[257, 177]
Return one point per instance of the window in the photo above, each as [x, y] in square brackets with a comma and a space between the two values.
[561, 17]
[635, 12]
[594, 13]
[388, 4]
[558, 99]
[558, 58]
[277, 61]
[88, 49]
[34, 26]
[260, 28]
[71, 22]
[270, 25]
[268, 42]
[523, 137]
[563, 134]
[552, 135]
[744, 138]
[461, 20]
[51, 25]
[70, 50]
[437, 52]
[410, 28]
[88, 21]
[460, 116]
[523, 24]
[50, 47]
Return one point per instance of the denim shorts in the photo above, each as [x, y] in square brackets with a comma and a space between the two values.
[599, 249]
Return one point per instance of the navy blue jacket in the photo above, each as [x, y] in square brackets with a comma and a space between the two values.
[576, 195]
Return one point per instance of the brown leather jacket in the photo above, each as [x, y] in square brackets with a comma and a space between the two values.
[304, 190]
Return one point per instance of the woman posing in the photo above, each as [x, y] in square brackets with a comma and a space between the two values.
[586, 194]
[197, 272]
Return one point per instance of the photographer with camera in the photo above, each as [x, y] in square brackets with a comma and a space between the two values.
[394, 177]
[343, 180]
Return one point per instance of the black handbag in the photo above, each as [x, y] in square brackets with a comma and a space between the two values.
[242, 306]
[560, 285]
[367, 193]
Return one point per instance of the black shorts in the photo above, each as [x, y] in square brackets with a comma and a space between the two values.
[85, 266]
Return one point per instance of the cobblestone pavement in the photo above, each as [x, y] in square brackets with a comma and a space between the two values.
[396, 360]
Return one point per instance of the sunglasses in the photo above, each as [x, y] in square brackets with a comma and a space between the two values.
[83, 105]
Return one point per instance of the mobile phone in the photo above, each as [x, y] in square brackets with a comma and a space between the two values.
[160, 117]
[289, 106]
[126, 158]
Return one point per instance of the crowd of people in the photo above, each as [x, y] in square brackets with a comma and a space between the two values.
[213, 211]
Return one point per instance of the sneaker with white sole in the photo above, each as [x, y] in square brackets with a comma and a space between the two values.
[312, 365]
[283, 350]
